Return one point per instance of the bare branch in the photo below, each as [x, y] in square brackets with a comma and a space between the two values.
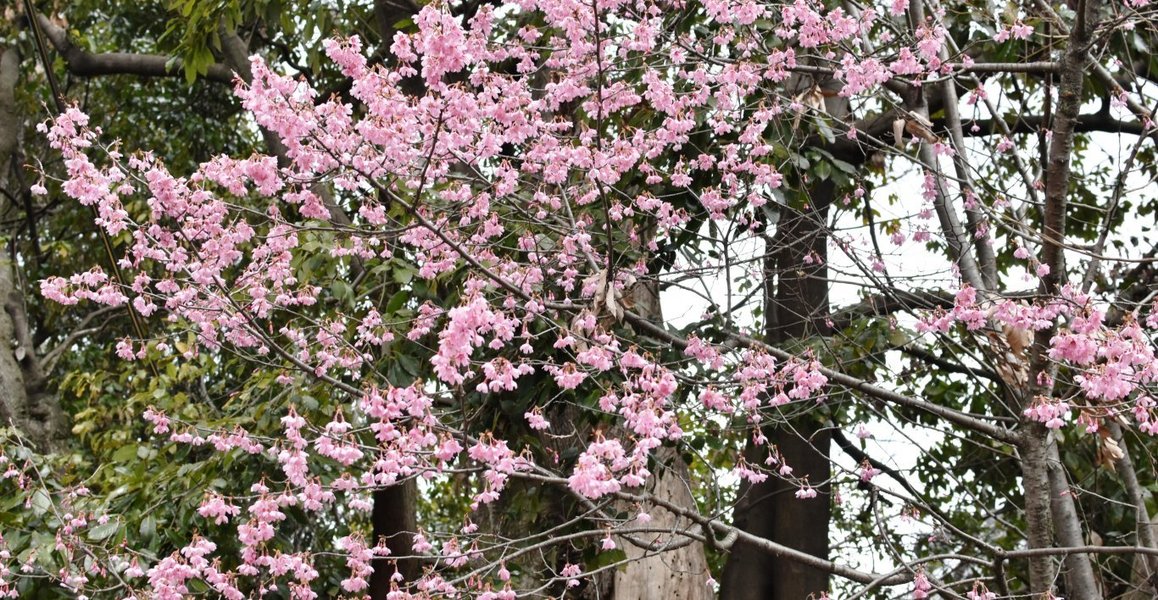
[1100, 121]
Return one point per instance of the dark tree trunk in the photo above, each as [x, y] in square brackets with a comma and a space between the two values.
[394, 522]
[796, 297]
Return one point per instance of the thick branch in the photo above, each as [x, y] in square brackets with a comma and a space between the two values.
[1138, 499]
[86, 64]
[9, 123]
[894, 301]
[237, 55]
[1079, 576]
[986, 259]
[1099, 121]
[1038, 67]
[957, 241]
[948, 365]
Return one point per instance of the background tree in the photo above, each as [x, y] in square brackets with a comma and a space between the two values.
[443, 268]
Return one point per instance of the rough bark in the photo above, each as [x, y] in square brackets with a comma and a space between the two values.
[1035, 484]
[679, 574]
[1080, 580]
[676, 574]
[24, 401]
[9, 119]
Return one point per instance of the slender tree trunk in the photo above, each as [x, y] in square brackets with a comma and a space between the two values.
[797, 306]
[395, 521]
[1144, 580]
[1080, 580]
[1145, 566]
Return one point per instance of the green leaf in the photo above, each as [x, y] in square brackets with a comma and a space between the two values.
[148, 528]
[125, 453]
[607, 557]
[41, 503]
[822, 170]
[843, 166]
[397, 301]
[825, 131]
[403, 275]
[103, 531]
[341, 290]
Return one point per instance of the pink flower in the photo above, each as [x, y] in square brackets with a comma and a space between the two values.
[216, 507]
[921, 586]
[535, 420]
[806, 492]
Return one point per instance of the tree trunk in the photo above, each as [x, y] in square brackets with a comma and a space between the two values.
[1080, 580]
[681, 573]
[395, 521]
[24, 403]
[1035, 481]
[797, 306]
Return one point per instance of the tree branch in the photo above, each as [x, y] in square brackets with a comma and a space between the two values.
[1099, 121]
[896, 300]
[87, 64]
[80, 330]
[733, 534]
[963, 419]
[947, 365]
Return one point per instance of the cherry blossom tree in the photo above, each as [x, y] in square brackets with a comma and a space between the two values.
[540, 301]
